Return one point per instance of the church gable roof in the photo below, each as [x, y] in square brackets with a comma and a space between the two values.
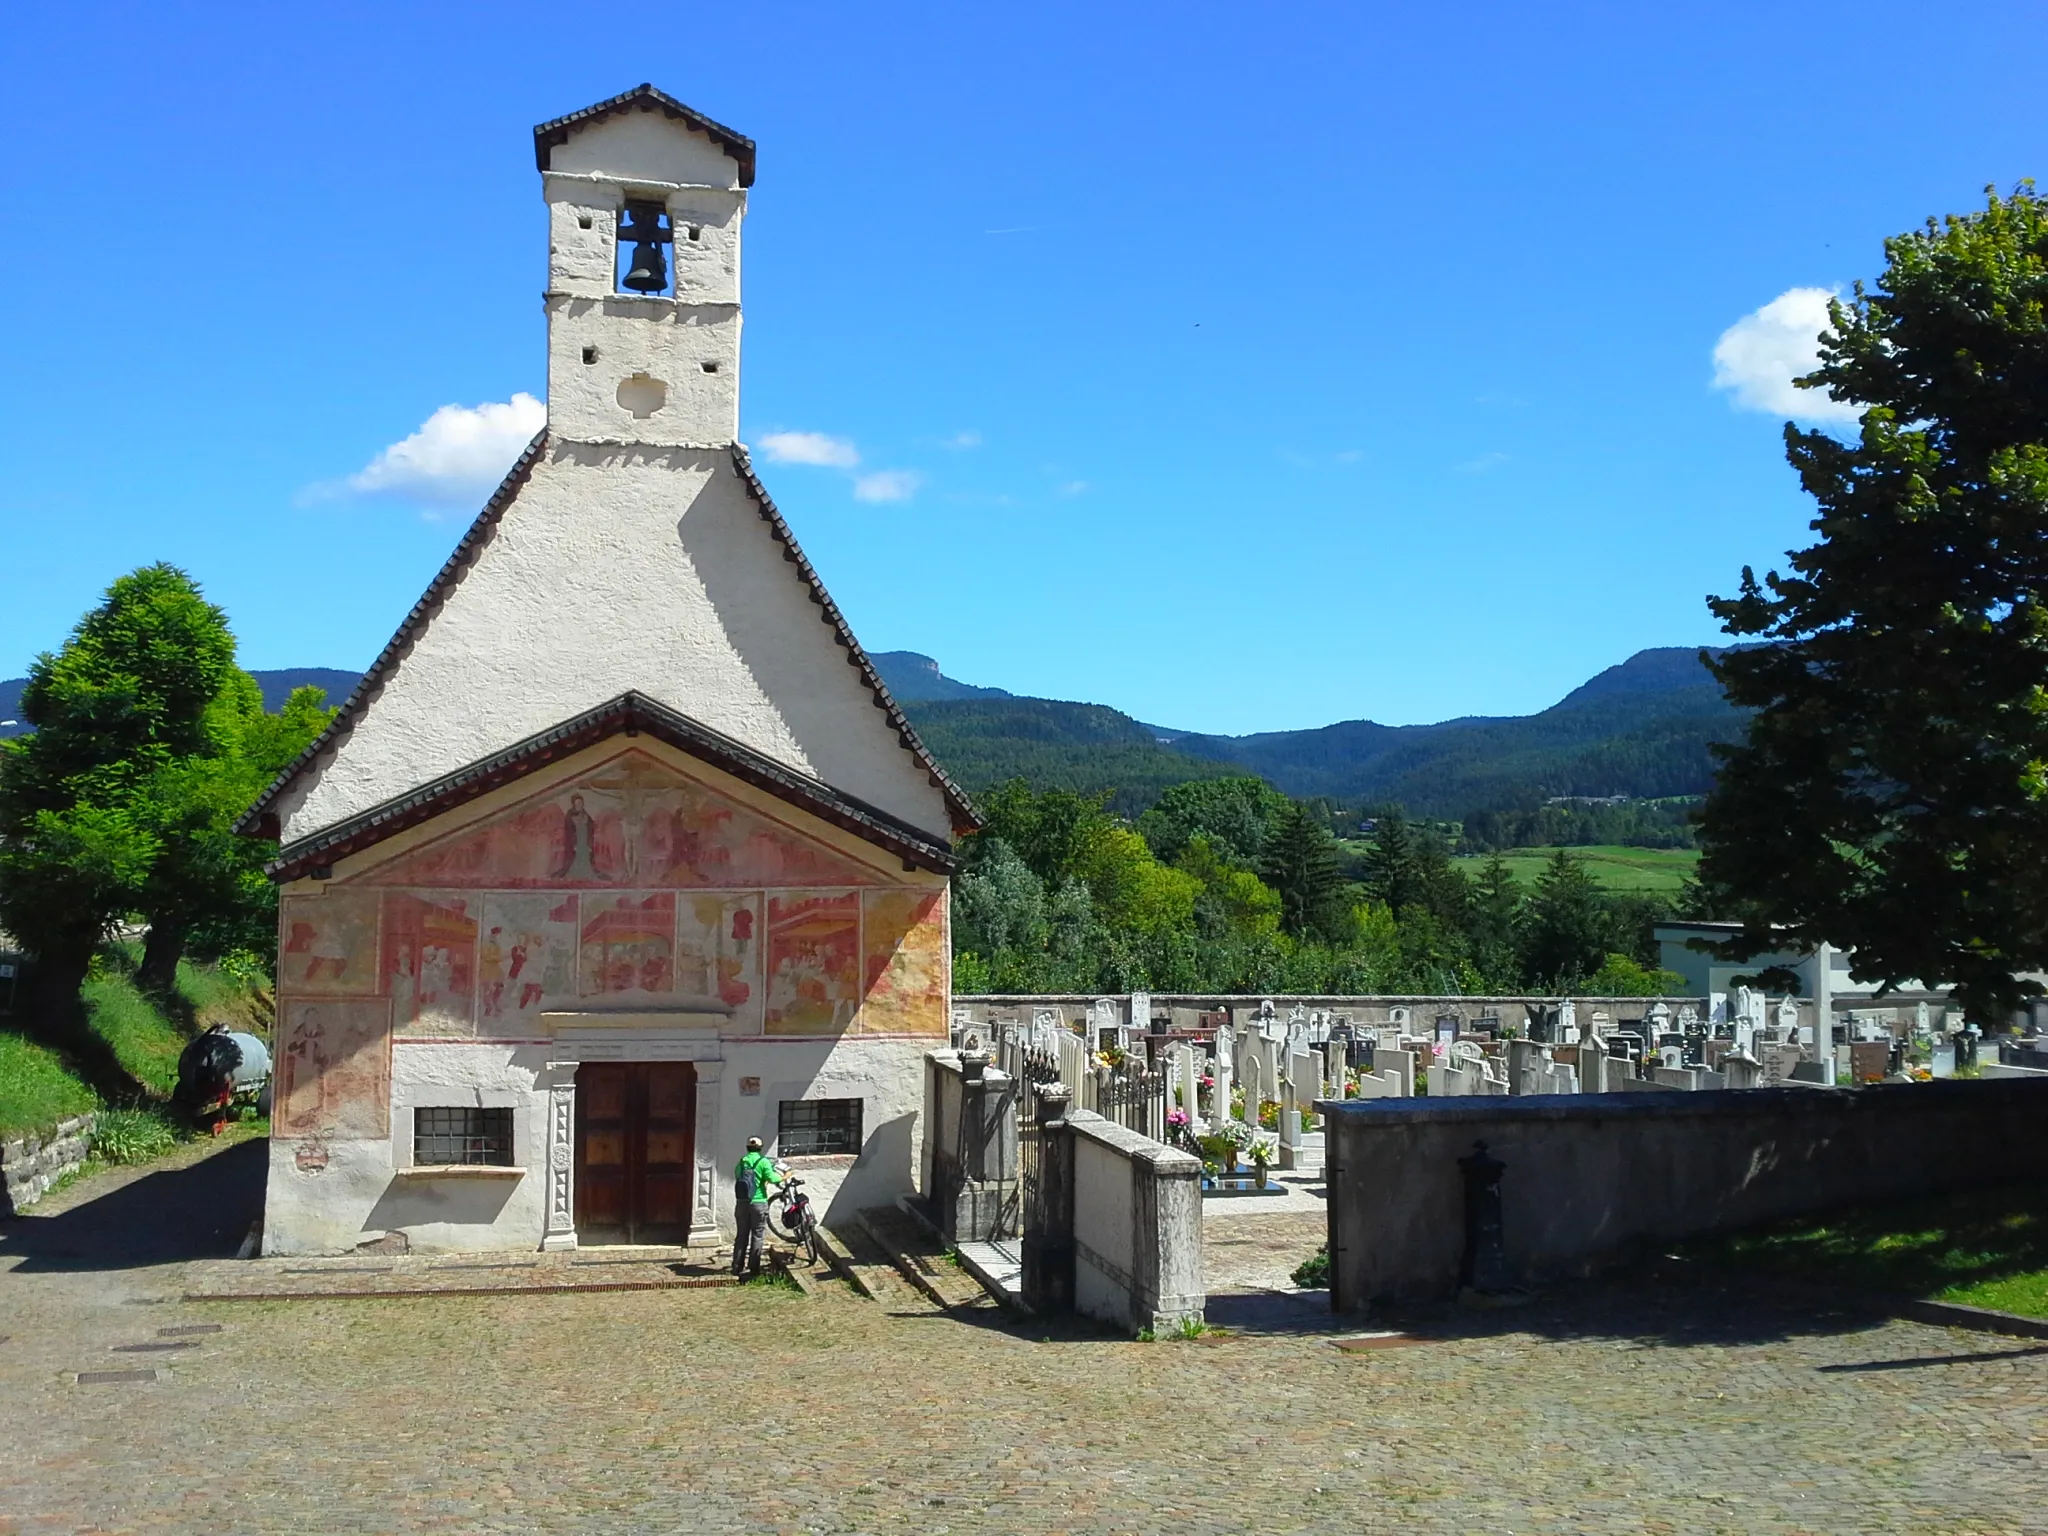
[557, 130]
[629, 714]
[262, 818]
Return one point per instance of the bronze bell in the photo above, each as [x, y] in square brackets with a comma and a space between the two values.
[645, 225]
[649, 272]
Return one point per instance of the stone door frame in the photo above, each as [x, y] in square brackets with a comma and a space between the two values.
[650, 1036]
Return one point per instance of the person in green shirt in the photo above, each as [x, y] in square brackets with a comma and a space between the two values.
[753, 1181]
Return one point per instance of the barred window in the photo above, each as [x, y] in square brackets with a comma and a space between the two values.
[816, 1127]
[445, 1136]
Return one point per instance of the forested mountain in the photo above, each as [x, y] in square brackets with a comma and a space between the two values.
[1054, 745]
[913, 678]
[1642, 729]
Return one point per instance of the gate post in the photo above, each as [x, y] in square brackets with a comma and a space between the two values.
[1048, 1279]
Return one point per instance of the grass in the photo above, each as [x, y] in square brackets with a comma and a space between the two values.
[145, 1042]
[1982, 1248]
[40, 1086]
[35, 1090]
[1657, 871]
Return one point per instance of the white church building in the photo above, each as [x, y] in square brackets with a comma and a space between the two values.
[621, 852]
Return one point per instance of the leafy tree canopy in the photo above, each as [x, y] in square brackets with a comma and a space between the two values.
[1236, 815]
[1892, 795]
[149, 742]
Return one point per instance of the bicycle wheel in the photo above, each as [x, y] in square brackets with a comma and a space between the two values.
[779, 1220]
[814, 1250]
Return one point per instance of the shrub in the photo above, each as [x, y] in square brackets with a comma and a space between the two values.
[132, 1136]
[1314, 1272]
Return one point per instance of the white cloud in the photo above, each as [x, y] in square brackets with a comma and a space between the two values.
[810, 448]
[1070, 488]
[960, 441]
[1759, 356]
[887, 485]
[458, 455]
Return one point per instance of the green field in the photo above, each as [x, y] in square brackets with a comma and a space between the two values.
[1659, 871]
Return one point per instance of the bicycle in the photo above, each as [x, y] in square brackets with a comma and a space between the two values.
[792, 1218]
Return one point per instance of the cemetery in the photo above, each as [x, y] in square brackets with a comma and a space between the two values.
[1712, 1114]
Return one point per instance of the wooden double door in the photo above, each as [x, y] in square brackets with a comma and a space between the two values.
[636, 1142]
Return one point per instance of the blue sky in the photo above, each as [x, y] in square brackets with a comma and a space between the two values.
[1245, 368]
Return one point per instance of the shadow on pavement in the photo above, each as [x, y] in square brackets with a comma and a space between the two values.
[1276, 1312]
[200, 1211]
[1917, 1361]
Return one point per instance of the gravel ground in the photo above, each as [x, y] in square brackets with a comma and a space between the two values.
[1627, 1407]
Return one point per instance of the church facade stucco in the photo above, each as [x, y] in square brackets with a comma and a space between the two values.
[604, 962]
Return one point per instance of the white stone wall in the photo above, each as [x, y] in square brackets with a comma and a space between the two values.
[645, 147]
[619, 569]
[330, 1196]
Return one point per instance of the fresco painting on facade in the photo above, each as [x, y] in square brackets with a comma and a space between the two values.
[629, 946]
[630, 822]
[906, 942]
[814, 962]
[526, 959]
[430, 956]
[327, 944]
[334, 1071]
[718, 952]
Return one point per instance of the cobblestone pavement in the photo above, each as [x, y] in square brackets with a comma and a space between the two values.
[1628, 1407]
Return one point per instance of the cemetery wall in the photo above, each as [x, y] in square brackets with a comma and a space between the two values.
[1137, 1227]
[1591, 1179]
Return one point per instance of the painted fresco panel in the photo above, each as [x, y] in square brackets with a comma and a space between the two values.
[906, 963]
[334, 1070]
[327, 945]
[525, 960]
[629, 946]
[430, 954]
[718, 952]
[631, 823]
[813, 962]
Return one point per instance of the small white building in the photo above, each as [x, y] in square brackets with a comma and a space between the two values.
[621, 853]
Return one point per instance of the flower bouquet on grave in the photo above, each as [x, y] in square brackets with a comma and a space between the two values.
[1218, 1150]
[1262, 1159]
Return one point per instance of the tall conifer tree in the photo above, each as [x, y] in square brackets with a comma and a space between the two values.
[1892, 795]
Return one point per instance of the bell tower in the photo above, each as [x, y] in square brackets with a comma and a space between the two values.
[645, 199]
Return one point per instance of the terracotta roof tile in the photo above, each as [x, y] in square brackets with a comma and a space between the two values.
[628, 713]
[261, 818]
[965, 817]
[556, 131]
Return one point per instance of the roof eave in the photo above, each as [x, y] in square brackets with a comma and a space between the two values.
[965, 818]
[628, 714]
[557, 130]
[261, 820]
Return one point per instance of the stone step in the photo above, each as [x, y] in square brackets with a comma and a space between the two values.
[866, 1266]
[921, 1258]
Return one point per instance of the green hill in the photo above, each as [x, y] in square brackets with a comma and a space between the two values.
[1084, 747]
[1642, 729]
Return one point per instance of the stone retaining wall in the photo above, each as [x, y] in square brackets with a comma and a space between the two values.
[29, 1165]
[1594, 1176]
